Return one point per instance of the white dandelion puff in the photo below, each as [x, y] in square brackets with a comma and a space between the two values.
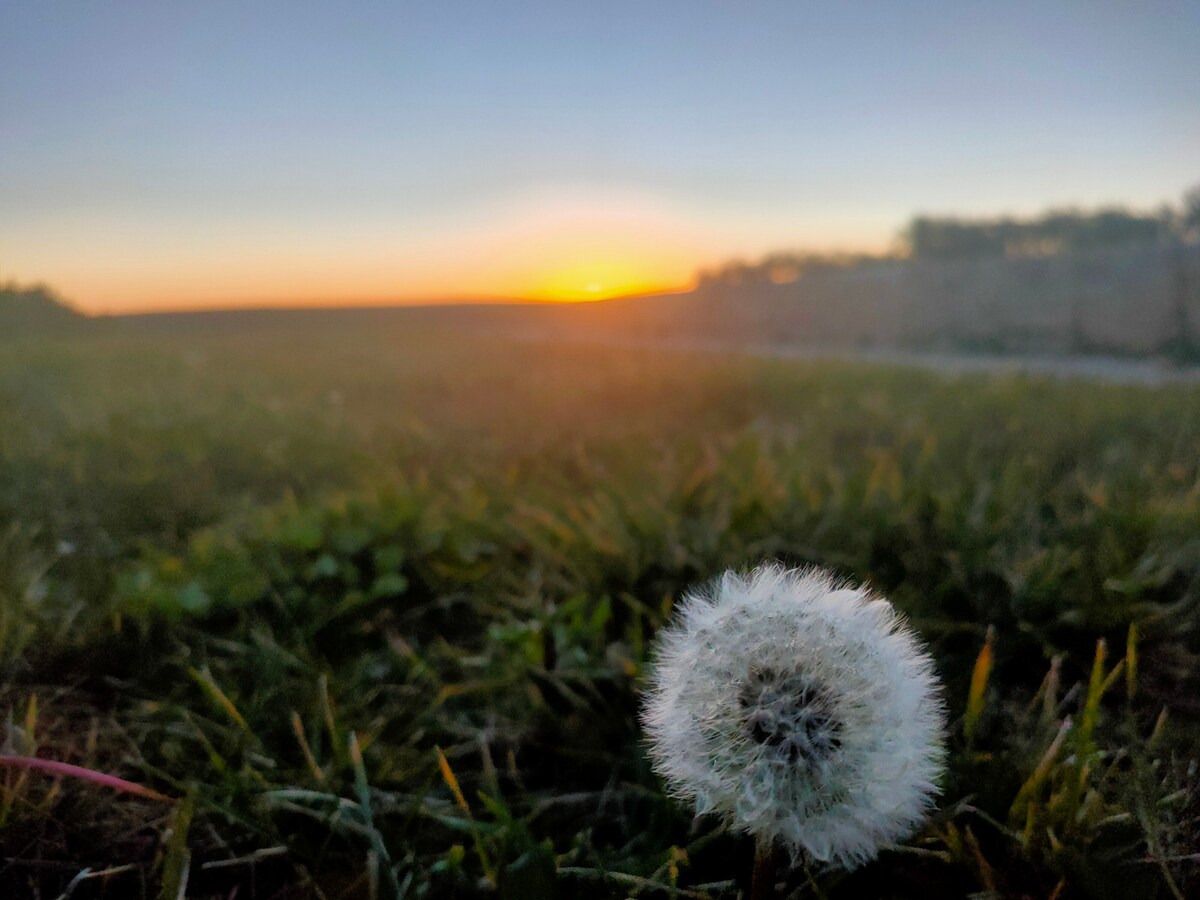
[799, 710]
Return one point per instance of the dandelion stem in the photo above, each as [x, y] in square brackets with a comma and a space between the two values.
[762, 882]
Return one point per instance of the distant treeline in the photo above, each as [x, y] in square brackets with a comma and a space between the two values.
[1108, 281]
[1048, 235]
[25, 308]
[949, 238]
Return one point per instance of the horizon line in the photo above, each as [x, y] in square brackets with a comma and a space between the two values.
[361, 305]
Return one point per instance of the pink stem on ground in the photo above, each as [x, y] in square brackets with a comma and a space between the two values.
[52, 767]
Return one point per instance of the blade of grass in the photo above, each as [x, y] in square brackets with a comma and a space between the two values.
[977, 697]
[1032, 784]
[53, 767]
[298, 729]
[379, 856]
[177, 856]
[1131, 661]
[451, 781]
[212, 690]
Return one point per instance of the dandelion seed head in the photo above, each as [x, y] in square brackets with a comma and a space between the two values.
[799, 710]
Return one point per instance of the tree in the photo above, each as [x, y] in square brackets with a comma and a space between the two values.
[33, 308]
[1189, 217]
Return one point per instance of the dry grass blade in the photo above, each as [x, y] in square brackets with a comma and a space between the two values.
[67, 770]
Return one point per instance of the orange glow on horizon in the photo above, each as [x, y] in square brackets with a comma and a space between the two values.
[558, 244]
[588, 280]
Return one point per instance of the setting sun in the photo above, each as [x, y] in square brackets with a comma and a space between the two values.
[599, 280]
[577, 244]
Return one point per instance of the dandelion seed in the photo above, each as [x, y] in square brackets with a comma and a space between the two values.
[799, 710]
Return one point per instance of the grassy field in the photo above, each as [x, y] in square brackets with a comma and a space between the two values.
[371, 600]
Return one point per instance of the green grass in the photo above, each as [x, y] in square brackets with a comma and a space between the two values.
[375, 602]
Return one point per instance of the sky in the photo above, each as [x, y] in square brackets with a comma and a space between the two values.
[165, 155]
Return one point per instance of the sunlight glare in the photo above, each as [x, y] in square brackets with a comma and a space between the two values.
[598, 279]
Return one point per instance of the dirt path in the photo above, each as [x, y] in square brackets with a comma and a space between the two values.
[1113, 370]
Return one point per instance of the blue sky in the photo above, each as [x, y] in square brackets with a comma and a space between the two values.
[172, 154]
